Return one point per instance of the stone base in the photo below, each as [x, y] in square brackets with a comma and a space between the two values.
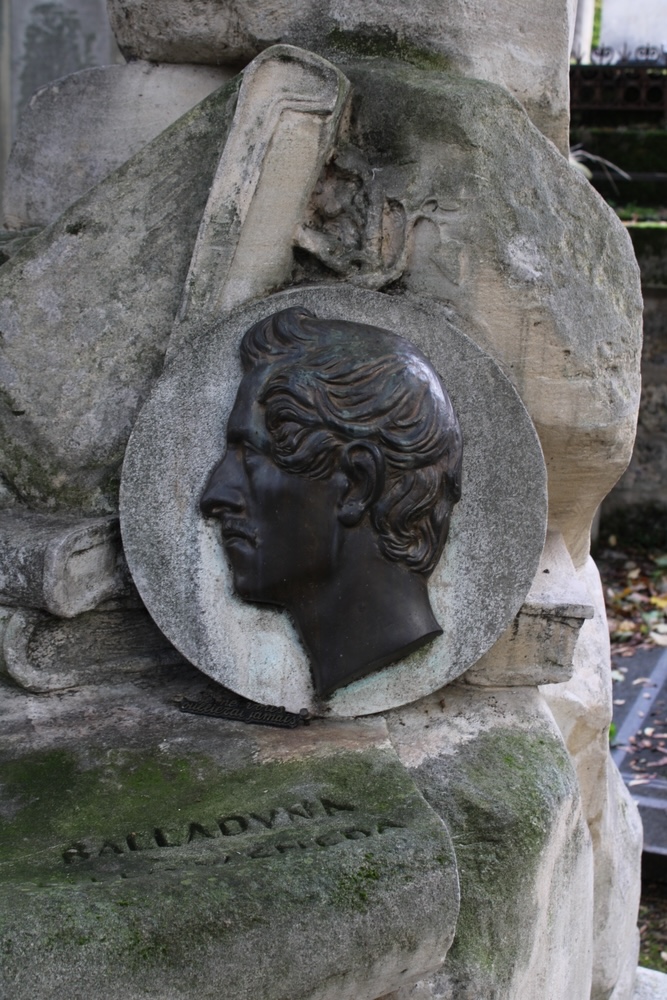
[650, 985]
[146, 853]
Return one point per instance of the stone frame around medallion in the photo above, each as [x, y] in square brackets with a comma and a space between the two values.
[178, 563]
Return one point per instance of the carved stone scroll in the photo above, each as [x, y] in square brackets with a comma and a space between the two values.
[60, 564]
[288, 111]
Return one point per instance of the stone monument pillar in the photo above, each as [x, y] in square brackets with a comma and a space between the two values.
[263, 332]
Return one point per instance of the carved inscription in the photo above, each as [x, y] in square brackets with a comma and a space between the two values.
[292, 821]
[219, 706]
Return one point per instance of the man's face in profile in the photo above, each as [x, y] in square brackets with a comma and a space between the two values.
[280, 531]
[342, 466]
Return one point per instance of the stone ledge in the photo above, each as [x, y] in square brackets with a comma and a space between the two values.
[538, 647]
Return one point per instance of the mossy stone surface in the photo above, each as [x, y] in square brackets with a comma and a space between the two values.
[170, 861]
[501, 796]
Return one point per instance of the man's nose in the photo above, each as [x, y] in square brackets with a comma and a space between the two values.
[223, 491]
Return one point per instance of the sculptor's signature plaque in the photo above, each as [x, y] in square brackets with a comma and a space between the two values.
[335, 493]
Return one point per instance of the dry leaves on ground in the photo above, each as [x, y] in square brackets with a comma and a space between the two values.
[635, 589]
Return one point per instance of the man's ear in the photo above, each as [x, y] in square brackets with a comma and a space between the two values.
[362, 464]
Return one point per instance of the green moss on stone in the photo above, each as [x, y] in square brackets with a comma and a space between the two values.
[245, 901]
[500, 797]
[384, 44]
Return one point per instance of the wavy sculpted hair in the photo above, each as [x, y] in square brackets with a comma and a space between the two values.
[331, 382]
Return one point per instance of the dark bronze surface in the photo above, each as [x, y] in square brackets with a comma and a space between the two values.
[221, 706]
[342, 467]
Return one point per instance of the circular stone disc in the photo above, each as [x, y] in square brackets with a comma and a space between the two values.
[176, 556]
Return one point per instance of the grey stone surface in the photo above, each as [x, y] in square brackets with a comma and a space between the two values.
[11, 242]
[86, 308]
[480, 212]
[538, 647]
[74, 132]
[651, 985]
[492, 763]
[59, 564]
[285, 124]
[178, 564]
[523, 46]
[148, 854]
[40, 41]
[43, 653]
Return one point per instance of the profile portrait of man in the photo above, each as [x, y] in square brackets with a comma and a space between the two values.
[336, 489]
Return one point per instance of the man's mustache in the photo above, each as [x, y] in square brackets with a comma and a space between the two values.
[236, 527]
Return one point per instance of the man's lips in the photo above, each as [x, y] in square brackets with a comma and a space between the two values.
[233, 529]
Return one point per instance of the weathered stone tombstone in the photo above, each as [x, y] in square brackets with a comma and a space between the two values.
[447, 844]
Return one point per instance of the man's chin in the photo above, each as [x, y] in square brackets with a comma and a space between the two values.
[248, 590]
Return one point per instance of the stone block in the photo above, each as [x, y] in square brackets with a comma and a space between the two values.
[538, 647]
[522, 46]
[76, 131]
[481, 213]
[492, 763]
[86, 309]
[285, 124]
[43, 41]
[59, 564]
[153, 854]
[651, 985]
[583, 710]
[42, 653]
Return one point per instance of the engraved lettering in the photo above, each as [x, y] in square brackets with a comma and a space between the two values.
[329, 839]
[263, 851]
[354, 834]
[161, 838]
[283, 848]
[333, 807]
[297, 811]
[197, 830]
[232, 826]
[133, 842]
[109, 847]
[277, 817]
[76, 852]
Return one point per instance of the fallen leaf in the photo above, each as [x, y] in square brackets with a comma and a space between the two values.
[658, 639]
[649, 731]
[641, 680]
[619, 701]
